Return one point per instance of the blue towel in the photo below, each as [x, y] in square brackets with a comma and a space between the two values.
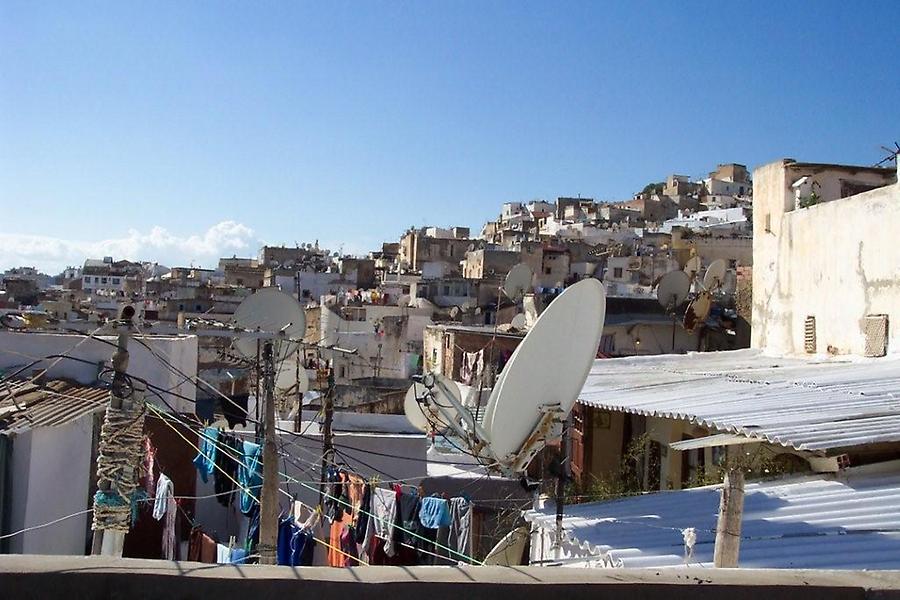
[238, 556]
[250, 476]
[206, 460]
[434, 513]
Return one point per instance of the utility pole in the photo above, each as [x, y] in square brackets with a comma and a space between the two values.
[327, 435]
[269, 509]
[561, 476]
[120, 442]
[731, 512]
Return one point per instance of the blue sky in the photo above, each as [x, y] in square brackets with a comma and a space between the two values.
[185, 130]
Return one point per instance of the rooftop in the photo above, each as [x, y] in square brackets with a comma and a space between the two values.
[815, 404]
[846, 521]
[25, 405]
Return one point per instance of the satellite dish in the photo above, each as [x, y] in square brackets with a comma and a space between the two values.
[477, 310]
[692, 266]
[288, 377]
[673, 289]
[466, 306]
[403, 300]
[697, 311]
[518, 322]
[517, 282]
[715, 275]
[270, 310]
[569, 331]
[454, 312]
[419, 402]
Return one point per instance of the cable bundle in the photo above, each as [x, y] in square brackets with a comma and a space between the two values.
[120, 454]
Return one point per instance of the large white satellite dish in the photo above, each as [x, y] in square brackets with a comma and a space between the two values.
[518, 281]
[549, 367]
[715, 274]
[673, 289]
[270, 310]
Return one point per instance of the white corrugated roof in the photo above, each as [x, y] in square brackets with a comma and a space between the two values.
[845, 521]
[812, 404]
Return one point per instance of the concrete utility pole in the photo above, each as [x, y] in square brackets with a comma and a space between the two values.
[731, 512]
[269, 508]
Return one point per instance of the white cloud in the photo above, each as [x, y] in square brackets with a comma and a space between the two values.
[51, 254]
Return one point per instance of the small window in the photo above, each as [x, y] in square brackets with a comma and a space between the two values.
[809, 335]
[115, 281]
[617, 272]
[768, 223]
[103, 280]
[547, 271]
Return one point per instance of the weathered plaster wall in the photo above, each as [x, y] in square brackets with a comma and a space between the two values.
[838, 261]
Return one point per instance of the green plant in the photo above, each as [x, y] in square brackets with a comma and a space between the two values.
[811, 200]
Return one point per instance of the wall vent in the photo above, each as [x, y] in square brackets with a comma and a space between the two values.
[875, 328]
[809, 335]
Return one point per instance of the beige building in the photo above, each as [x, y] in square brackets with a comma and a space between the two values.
[826, 277]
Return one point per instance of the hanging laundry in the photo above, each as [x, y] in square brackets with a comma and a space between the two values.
[234, 409]
[230, 452]
[201, 547]
[164, 506]
[149, 466]
[434, 512]
[250, 476]
[205, 461]
[238, 556]
[361, 522]
[223, 554]
[465, 369]
[407, 517]
[384, 515]
[460, 527]
[252, 529]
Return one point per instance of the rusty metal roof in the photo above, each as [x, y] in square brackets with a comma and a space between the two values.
[26, 405]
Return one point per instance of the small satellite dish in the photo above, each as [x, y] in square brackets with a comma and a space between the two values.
[692, 266]
[518, 280]
[715, 275]
[518, 322]
[569, 331]
[697, 311]
[419, 403]
[454, 312]
[673, 289]
[477, 310]
[270, 310]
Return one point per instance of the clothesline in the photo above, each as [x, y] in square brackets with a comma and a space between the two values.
[326, 494]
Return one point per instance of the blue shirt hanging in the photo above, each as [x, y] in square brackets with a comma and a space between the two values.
[250, 476]
[206, 460]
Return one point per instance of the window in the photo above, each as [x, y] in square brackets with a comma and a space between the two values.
[617, 272]
[199, 308]
[446, 290]
[103, 280]
[115, 280]
[547, 271]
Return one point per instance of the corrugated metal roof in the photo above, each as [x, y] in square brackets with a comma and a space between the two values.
[26, 405]
[813, 404]
[845, 521]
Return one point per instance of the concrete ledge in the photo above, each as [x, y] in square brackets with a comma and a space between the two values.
[78, 577]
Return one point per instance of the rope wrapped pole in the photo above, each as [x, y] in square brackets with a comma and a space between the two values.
[120, 451]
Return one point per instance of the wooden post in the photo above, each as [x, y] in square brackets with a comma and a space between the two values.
[327, 435]
[269, 509]
[731, 512]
